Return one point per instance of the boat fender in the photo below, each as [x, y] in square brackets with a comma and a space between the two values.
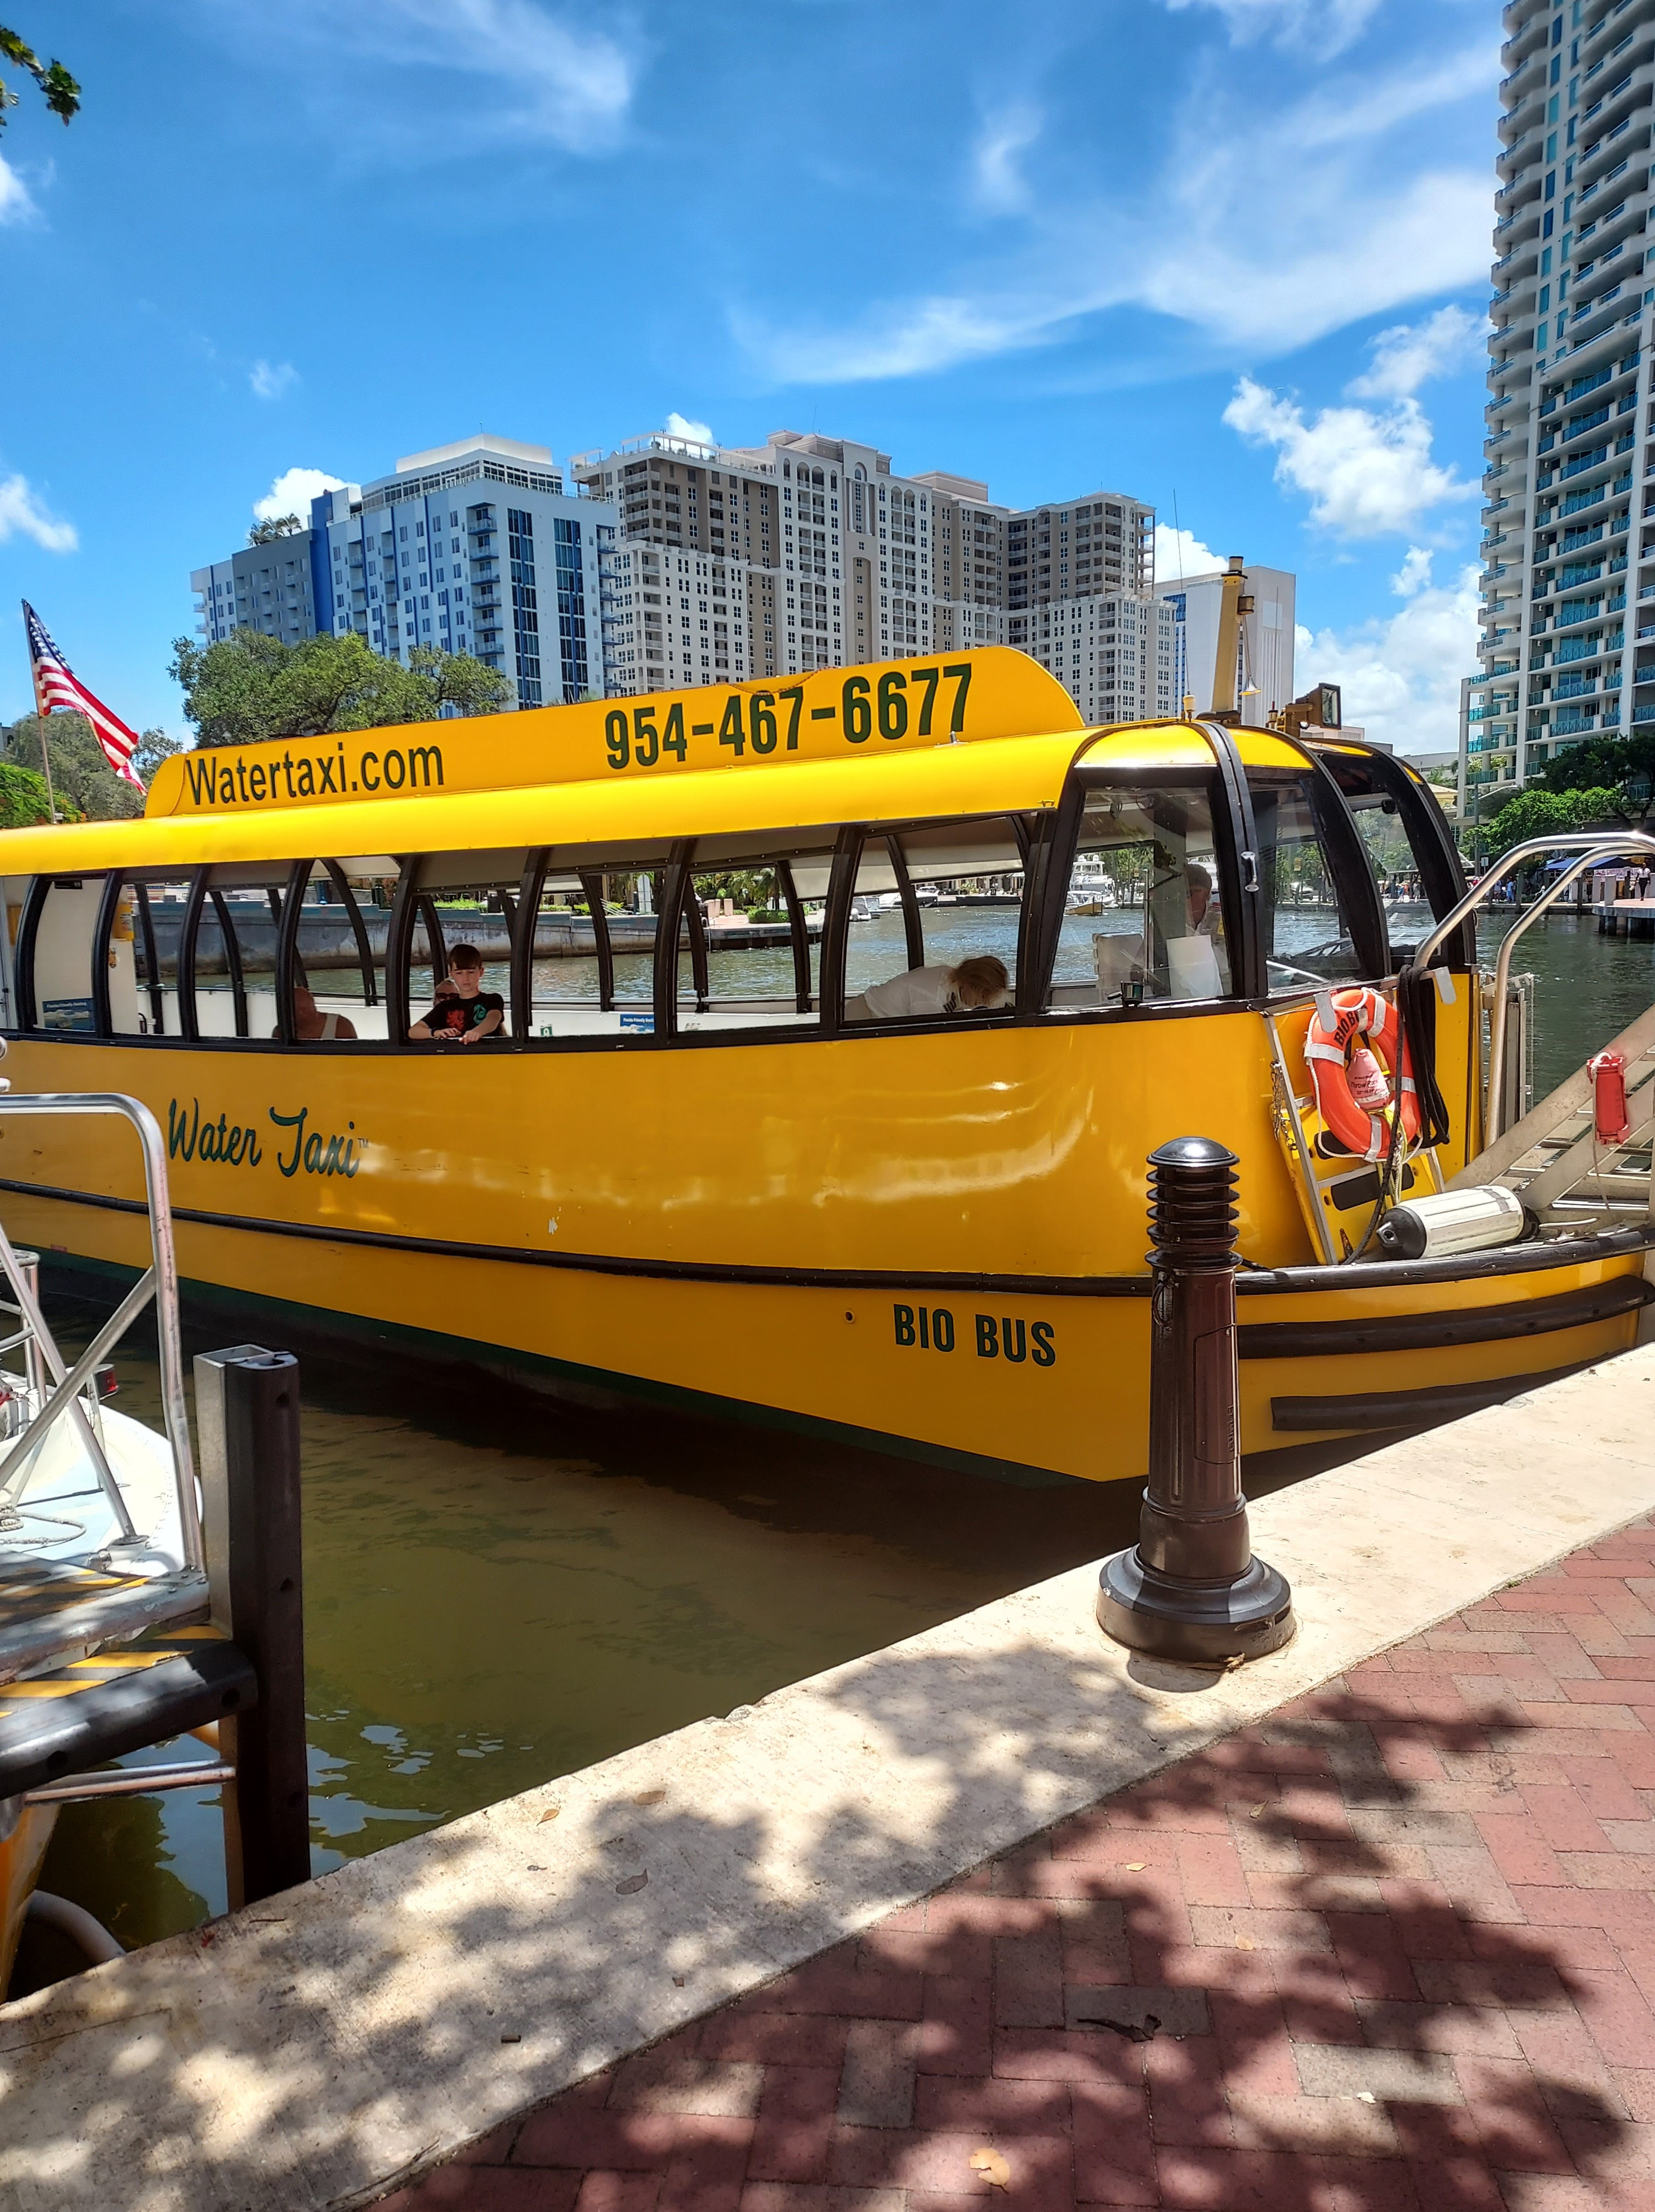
[1609, 1097]
[1451, 1221]
[1353, 1048]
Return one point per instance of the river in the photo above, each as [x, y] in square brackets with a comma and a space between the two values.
[499, 1589]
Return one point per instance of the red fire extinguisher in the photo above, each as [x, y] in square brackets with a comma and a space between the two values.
[1609, 1097]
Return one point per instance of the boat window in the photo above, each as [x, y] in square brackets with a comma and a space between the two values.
[64, 924]
[1314, 913]
[463, 900]
[1143, 915]
[341, 948]
[591, 966]
[144, 936]
[760, 917]
[1408, 847]
[935, 921]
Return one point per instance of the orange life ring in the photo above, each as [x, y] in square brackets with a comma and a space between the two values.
[1358, 1014]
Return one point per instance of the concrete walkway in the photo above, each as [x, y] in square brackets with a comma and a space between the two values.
[1394, 1948]
[324, 2047]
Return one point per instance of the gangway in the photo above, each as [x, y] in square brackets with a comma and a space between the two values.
[1573, 1179]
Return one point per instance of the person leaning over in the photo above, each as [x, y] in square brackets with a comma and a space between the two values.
[975, 987]
[470, 1015]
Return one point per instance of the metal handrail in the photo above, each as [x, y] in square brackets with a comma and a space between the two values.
[164, 1272]
[1597, 849]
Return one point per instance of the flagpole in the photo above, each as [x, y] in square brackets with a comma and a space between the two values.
[45, 763]
[42, 709]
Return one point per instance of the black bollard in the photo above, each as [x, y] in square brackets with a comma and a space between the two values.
[247, 1416]
[1190, 1588]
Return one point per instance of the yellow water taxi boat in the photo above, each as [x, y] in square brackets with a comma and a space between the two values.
[875, 1165]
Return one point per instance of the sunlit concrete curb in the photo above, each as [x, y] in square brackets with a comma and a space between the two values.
[317, 2050]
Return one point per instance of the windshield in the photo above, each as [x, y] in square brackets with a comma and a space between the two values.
[1143, 917]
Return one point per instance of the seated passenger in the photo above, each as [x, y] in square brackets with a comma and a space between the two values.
[1126, 965]
[976, 986]
[470, 1014]
[311, 1025]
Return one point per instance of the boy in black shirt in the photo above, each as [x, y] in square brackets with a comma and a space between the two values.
[468, 1016]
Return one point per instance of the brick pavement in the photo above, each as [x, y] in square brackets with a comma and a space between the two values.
[1391, 1951]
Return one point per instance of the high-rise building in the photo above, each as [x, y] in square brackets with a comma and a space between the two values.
[1080, 597]
[809, 552]
[669, 562]
[474, 548]
[1569, 392]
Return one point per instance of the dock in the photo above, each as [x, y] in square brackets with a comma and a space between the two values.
[1627, 917]
[464, 1997]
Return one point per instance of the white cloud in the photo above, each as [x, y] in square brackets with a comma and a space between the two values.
[270, 380]
[575, 84]
[1407, 356]
[537, 74]
[1263, 228]
[1181, 553]
[680, 426]
[1400, 675]
[15, 205]
[997, 181]
[1367, 107]
[292, 493]
[1365, 474]
[1320, 28]
[22, 515]
[1414, 574]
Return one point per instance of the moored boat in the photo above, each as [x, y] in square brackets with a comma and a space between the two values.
[884, 1181]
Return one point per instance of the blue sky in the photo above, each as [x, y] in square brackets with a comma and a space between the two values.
[1230, 252]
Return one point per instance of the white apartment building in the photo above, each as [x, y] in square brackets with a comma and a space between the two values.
[1264, 671]
[804, 553]
[1564, 544]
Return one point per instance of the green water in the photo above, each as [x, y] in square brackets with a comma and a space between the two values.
[499, 1589]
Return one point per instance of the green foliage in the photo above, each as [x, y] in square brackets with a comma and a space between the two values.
[86, 787]
[251, 686]
[1538, 813]
[59, 89]
[279, 525]
[153, 747]
[1605, 764]
[24, 797]
[457, 679]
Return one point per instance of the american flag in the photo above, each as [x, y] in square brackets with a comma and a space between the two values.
[57, 689]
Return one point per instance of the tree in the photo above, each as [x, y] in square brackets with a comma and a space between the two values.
[1608, 765]
[86, 787]
[152, 748]
[24, 797]
[1537, 813]
[278, 525]
[60, 90]
[460, 679]
[250, 686]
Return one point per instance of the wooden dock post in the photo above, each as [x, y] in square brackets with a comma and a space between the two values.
[247, 1414]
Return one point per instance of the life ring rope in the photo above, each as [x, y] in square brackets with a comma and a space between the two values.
[1340, 1020]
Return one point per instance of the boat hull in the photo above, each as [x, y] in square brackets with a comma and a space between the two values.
[743, 1228]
